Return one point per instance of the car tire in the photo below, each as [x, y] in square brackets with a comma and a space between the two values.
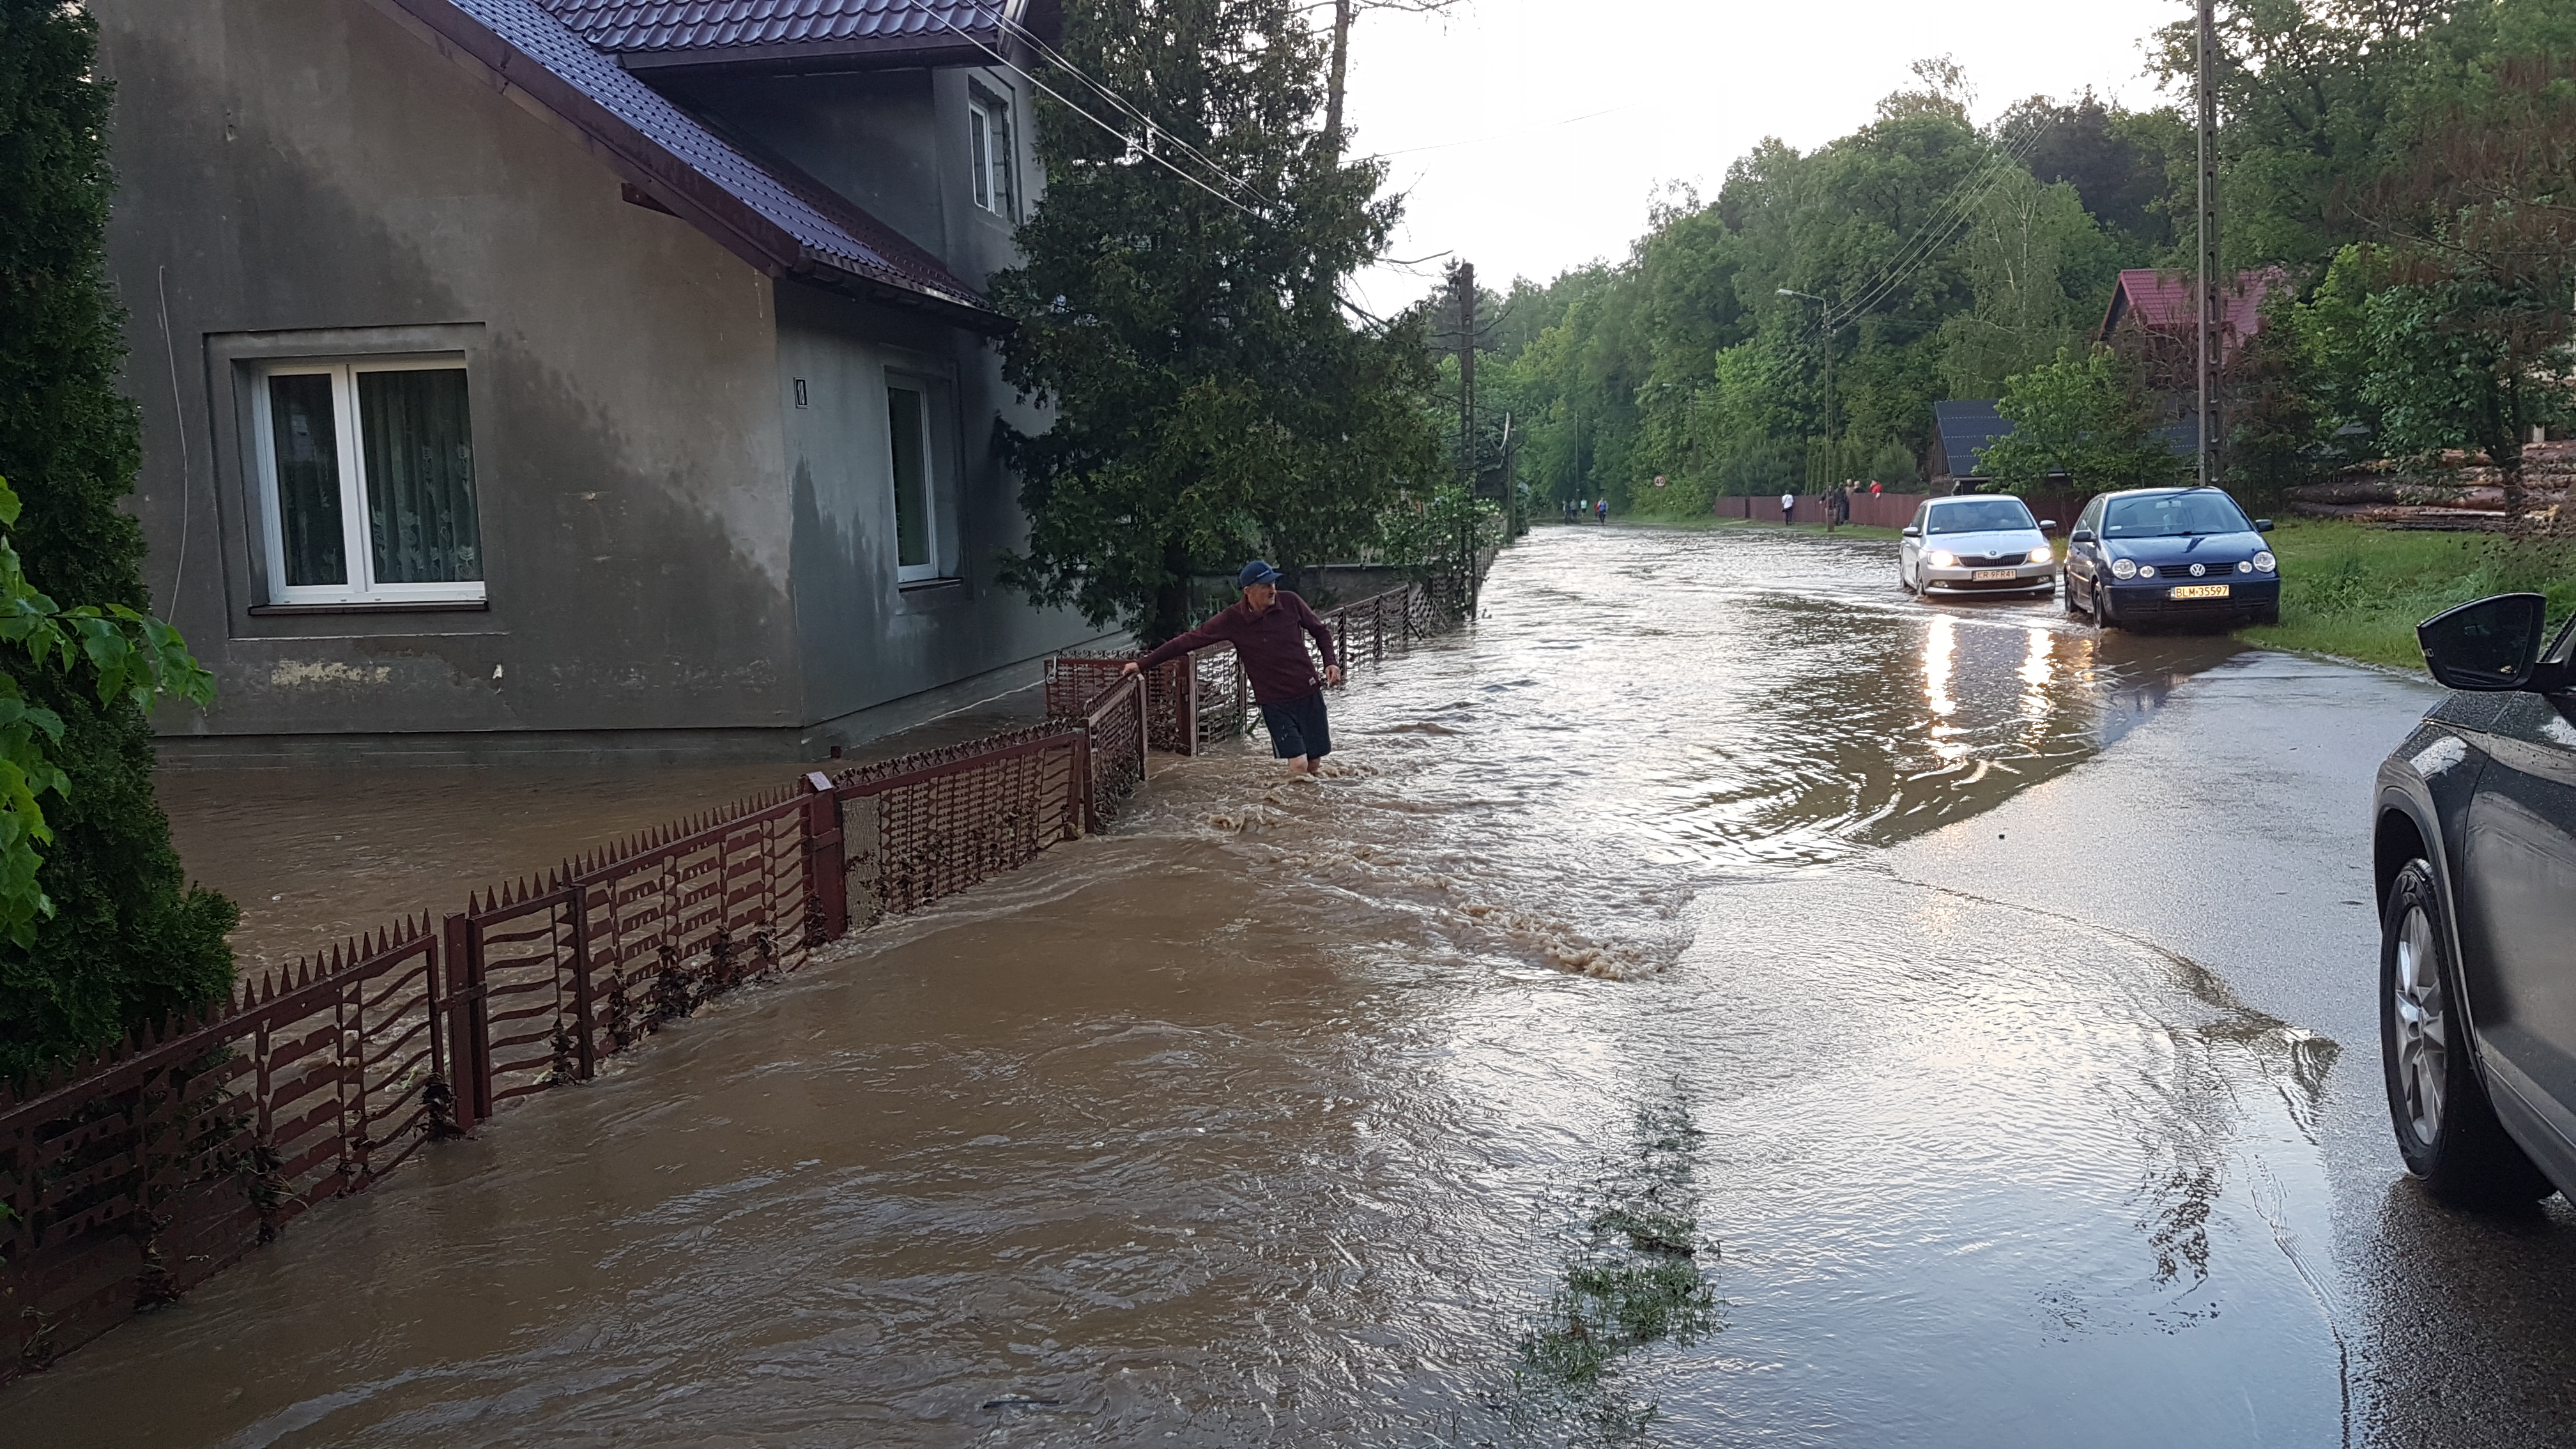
[2446, 1127]
[2101, 609]
[2268, 615]
[2066, 586]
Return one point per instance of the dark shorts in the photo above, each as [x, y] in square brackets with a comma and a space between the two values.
[1298, 727]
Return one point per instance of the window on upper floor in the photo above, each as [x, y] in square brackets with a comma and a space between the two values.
[367, 482]
[989, 152]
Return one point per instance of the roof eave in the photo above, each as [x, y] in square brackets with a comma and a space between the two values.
[833, 274]
[652, 169]
[941, 50]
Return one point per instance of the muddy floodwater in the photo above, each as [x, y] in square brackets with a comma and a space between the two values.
[1625, 1041]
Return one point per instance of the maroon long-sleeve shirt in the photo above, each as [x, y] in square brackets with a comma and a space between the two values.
[1273, 656]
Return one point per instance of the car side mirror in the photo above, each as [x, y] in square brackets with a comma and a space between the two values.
[2262, 525]
[2081, 535]
[2493, 644]
[1909, 531]
[2046, 524]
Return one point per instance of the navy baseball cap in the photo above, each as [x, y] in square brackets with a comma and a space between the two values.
[1256, 572]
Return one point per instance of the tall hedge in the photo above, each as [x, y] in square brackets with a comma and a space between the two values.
[129, 940]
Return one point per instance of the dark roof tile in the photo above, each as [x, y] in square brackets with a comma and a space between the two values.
[791, 222]
[629, 27]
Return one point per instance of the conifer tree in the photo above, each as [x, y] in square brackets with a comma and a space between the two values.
[126, 940]
[1181, 310]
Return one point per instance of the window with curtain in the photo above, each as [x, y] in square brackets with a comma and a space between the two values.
[370, 484]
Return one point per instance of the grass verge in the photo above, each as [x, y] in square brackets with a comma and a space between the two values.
[2358, 592]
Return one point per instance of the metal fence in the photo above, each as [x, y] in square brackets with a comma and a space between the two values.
[1203, 697]
[1888, 510]
[129, 1178]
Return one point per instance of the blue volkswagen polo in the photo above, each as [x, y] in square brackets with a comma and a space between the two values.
[2171, 555]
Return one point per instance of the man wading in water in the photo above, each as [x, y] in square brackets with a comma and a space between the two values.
[1264, 630]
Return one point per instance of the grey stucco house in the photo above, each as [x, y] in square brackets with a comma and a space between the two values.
[559, 377]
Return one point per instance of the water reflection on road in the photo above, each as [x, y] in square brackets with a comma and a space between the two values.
[1565, 1065]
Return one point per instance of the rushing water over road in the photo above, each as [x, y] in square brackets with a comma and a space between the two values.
[1575, 1061]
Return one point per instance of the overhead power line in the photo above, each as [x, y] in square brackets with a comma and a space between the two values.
[1146, 147]
[1946, 217]
[1152, 127]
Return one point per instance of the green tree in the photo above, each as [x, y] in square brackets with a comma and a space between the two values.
[1210, 396]
[2079, 417]
[119, 938]
[2034, 261]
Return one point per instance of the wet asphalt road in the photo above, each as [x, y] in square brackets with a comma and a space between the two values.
[2460, 1329]
[1715, 999]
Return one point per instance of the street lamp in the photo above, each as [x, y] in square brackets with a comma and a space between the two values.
[1825, 317]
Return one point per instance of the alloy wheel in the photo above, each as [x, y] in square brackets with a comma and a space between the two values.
[2423, 1024]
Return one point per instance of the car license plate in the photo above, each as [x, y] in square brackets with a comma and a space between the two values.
[1989, 575]
[2199, 591]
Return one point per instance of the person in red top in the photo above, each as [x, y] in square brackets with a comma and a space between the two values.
[1268, 629]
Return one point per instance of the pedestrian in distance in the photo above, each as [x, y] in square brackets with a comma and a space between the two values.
[1788, 509]
[1268, 627]
[1601, 510]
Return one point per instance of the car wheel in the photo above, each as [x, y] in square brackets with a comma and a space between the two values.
[2267, 615]
[2446, 1128]
[2066, 596]
[2101, 610]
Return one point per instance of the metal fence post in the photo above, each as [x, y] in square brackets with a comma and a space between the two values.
[826, 867]
[1189, 664]
[469, 1045]
[585, 1056]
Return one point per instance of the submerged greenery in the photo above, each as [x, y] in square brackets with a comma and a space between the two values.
[1636, 1275]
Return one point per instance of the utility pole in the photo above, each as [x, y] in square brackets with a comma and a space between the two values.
[1462, 275]
[1465, 275]
[2206, 68]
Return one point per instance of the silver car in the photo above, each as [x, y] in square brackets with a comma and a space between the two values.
[1982, 544]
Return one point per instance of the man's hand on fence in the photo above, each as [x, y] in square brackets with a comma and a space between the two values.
[1128, 668]
[1333, 675]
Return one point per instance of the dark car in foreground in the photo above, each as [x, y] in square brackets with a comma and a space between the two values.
[2474, 850]
[2171, 555]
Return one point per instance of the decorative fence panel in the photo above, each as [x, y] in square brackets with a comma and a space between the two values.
[1193, 702]
[130, 1178]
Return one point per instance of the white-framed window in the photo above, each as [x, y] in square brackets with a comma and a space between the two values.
[367, 482]
[988, 148]
[916, 519]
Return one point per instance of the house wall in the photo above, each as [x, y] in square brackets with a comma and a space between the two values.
[296, 174]
[894, 142]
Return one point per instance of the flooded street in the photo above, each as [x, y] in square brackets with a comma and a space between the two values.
[1713, 999]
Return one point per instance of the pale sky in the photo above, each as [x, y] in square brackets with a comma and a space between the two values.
[1517, 184]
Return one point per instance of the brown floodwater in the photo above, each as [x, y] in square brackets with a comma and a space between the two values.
[316, 855]
[1567, 1065]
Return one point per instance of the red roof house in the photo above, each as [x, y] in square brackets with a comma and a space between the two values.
[2163, 302]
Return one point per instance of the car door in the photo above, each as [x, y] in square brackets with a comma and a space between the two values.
[1909, 551]
[2084, 560]
[2517, 887]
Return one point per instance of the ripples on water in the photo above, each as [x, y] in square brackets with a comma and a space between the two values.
[1296, 1111]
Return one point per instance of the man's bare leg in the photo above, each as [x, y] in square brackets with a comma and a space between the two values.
[1302, 765]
